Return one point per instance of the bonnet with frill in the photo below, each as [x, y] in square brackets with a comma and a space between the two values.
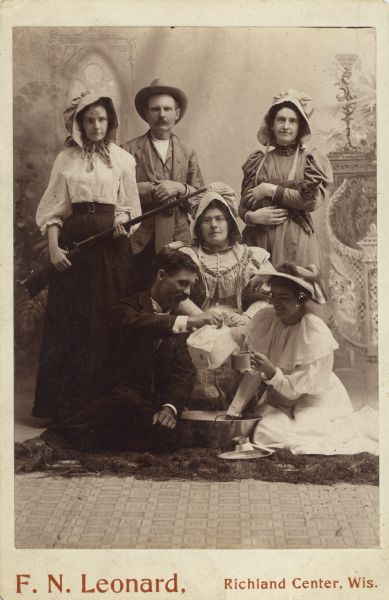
[226, 196]
[88, 148]
[303, 105]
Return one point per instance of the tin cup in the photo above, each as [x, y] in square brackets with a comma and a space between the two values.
[241, 361]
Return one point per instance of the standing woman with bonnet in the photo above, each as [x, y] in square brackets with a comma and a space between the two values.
[284, 184]
[92, 188]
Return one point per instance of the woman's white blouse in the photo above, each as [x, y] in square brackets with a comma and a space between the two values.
[312, 378]
[303, 353]
[71, 183]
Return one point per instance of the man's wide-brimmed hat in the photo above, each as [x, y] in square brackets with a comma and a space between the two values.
[157, 87]
[78, 104]
[302, 104]
[306, 277]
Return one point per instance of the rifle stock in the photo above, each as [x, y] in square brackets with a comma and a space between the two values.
[39, 280]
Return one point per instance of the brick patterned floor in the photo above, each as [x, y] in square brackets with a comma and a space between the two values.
[113, 512]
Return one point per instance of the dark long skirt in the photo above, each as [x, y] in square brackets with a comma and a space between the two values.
[75, 352]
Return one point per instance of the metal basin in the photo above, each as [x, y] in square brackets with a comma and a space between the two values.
[214, 429]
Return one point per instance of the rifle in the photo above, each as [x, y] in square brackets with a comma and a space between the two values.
[39, 280]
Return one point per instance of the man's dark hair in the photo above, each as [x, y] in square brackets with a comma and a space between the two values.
[172, 261]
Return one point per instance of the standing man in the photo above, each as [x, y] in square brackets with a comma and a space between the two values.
[165, 169]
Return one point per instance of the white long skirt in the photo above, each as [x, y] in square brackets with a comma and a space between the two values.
[323, 423]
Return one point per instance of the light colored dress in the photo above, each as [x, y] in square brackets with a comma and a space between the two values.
[305, 407]
[301, 189]
[223, 285]
[225, 276]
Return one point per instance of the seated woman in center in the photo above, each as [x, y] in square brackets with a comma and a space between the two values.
[225, 285]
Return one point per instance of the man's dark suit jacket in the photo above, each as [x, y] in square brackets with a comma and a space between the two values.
[149, 357]
[150, 367]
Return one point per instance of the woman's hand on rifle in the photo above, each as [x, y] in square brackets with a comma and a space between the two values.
[118, 224]
[58, 256]
[59, 259]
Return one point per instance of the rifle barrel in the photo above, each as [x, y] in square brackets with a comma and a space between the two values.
[139, 219]
[37, 281]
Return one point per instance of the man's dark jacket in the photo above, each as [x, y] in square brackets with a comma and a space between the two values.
[150, 367]
[149, 357]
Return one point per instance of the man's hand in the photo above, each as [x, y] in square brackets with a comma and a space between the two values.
[165, 417]
[166, 189]
[206, 318]
[238, 320]
[268, 215]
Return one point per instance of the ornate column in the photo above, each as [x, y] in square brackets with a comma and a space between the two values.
[351, 226]
[368, 246]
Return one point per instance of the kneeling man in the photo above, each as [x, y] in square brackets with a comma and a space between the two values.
[152, 373]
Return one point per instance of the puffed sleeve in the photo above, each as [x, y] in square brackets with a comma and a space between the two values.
[258, 258]
[128, 195]
[55, 206]
[249, 170]
[311, 378]
[312, 190]
[252, 292]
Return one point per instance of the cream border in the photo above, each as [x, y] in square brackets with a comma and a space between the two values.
[200, 571]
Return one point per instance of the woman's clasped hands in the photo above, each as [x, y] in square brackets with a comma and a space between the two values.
[267, 215]
[258, 193]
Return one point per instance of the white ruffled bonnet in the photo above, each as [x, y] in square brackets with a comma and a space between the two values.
[302, 103]
[87, 98]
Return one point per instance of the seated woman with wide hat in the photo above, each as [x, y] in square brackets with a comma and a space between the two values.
[304, 406]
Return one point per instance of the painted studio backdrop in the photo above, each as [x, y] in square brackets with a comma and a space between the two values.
[230, 76]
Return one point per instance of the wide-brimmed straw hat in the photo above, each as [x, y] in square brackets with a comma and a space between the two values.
[158, 87]
[303, 105]
[85, 99]
[306, 277]
[224, 194]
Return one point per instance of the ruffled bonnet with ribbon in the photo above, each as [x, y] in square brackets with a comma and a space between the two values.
[224, 194]
[303, 105]
[89, 148]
